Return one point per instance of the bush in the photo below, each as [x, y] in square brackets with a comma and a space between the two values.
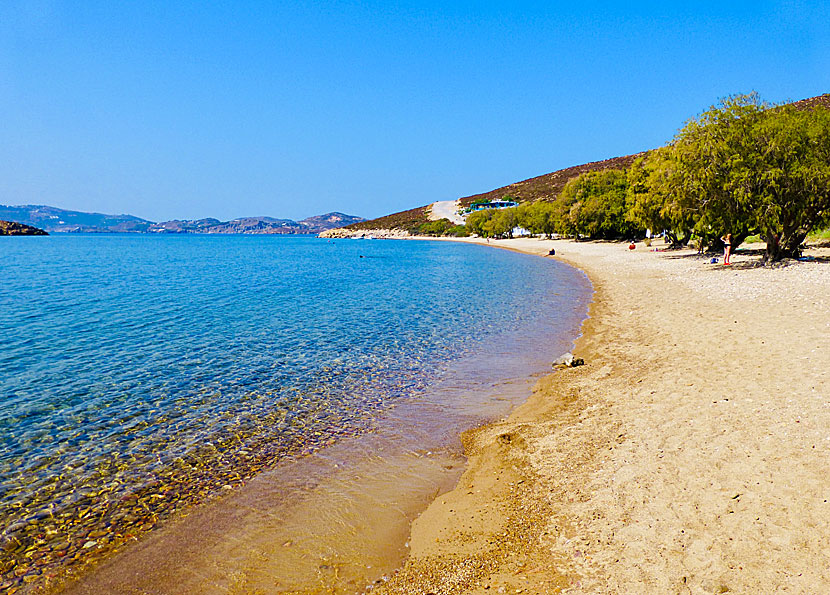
[434, 228]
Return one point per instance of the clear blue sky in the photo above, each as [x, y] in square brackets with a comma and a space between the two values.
[193, 109]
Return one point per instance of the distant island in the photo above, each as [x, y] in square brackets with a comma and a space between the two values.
[53, 219]
[12, 228]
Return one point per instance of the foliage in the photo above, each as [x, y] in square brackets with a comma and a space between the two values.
[492, 223]
[538, 218]
[651, 205]
[476, 222]
[441, 227]
[792, 177]
[596, 204]
[457, 231]
[741, 167]
[820, 235]
[434, 228]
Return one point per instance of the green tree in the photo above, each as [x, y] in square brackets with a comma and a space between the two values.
[537, 218]
[478, 223]
[434, 228]
[744, 167]
[504, 220]
[792, 178]
[597, 205]
[651, 206]
[709, 168]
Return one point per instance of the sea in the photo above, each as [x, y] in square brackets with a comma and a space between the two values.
[145, 376]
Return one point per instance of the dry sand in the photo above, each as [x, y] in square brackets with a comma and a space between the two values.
[691, 454]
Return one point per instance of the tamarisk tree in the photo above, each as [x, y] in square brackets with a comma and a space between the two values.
[745, 167]
[793, 183]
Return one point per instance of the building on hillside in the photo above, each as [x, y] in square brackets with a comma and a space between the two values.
[493, 204]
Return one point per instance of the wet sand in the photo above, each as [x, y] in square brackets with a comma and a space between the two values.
[690, 454]
[336, 521]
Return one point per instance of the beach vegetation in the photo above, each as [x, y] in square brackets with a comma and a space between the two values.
[820, 235]
[539, 218]
[596, 206]
[650, 205]
[457, 231]
[434, 228]
[742, 167]
[440, 227]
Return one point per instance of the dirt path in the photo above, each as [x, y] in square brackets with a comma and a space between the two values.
[446, 209]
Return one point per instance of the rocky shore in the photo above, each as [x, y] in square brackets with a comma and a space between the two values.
[10, 228]
[394, 234]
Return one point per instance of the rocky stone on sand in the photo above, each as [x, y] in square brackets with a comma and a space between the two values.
[567, 360]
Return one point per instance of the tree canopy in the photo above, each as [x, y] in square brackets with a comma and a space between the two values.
[741, 167]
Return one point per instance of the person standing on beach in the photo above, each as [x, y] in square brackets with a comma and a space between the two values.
[727, 248]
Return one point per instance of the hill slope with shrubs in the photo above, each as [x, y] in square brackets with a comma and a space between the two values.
[743, 167]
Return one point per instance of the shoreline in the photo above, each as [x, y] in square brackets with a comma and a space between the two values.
[683, 457]
[343, 515]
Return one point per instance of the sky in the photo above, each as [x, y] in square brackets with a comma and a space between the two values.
[290, 109]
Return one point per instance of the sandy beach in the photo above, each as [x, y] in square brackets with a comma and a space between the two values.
[690, 454]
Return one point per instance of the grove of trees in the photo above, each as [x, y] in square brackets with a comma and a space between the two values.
[742, 167]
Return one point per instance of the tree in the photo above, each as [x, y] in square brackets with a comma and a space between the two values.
[597, 205]
[793, 185]
[744, 167]
[651, 206]
[708, 173]
[537, 217]
[478, 221]
[504, 220]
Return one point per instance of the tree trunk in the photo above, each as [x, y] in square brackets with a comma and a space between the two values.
[786, 245]
[783, 246]
[676, 243]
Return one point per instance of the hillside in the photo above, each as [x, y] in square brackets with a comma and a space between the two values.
[548, 186]
[58, 220]
[12, 228]
[261, 225]
[61, 220]
[544, 187]
[403, 220]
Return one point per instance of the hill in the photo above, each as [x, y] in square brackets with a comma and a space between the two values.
[544, 187]
[62, 220]
[58, 220]
[12, 228]
[548, 186]
[248, 225]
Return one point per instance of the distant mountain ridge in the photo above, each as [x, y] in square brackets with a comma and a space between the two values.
[53, 219]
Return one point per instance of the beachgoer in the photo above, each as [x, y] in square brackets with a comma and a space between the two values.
[632, 245]
[727, 248]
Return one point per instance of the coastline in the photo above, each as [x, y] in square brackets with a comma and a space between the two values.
[688, 455]
[339, 520]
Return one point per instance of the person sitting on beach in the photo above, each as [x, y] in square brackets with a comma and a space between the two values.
[727, 248]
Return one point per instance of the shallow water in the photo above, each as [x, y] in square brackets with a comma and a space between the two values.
[145, 374]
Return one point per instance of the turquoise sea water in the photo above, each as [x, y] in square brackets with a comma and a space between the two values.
[140, 374]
